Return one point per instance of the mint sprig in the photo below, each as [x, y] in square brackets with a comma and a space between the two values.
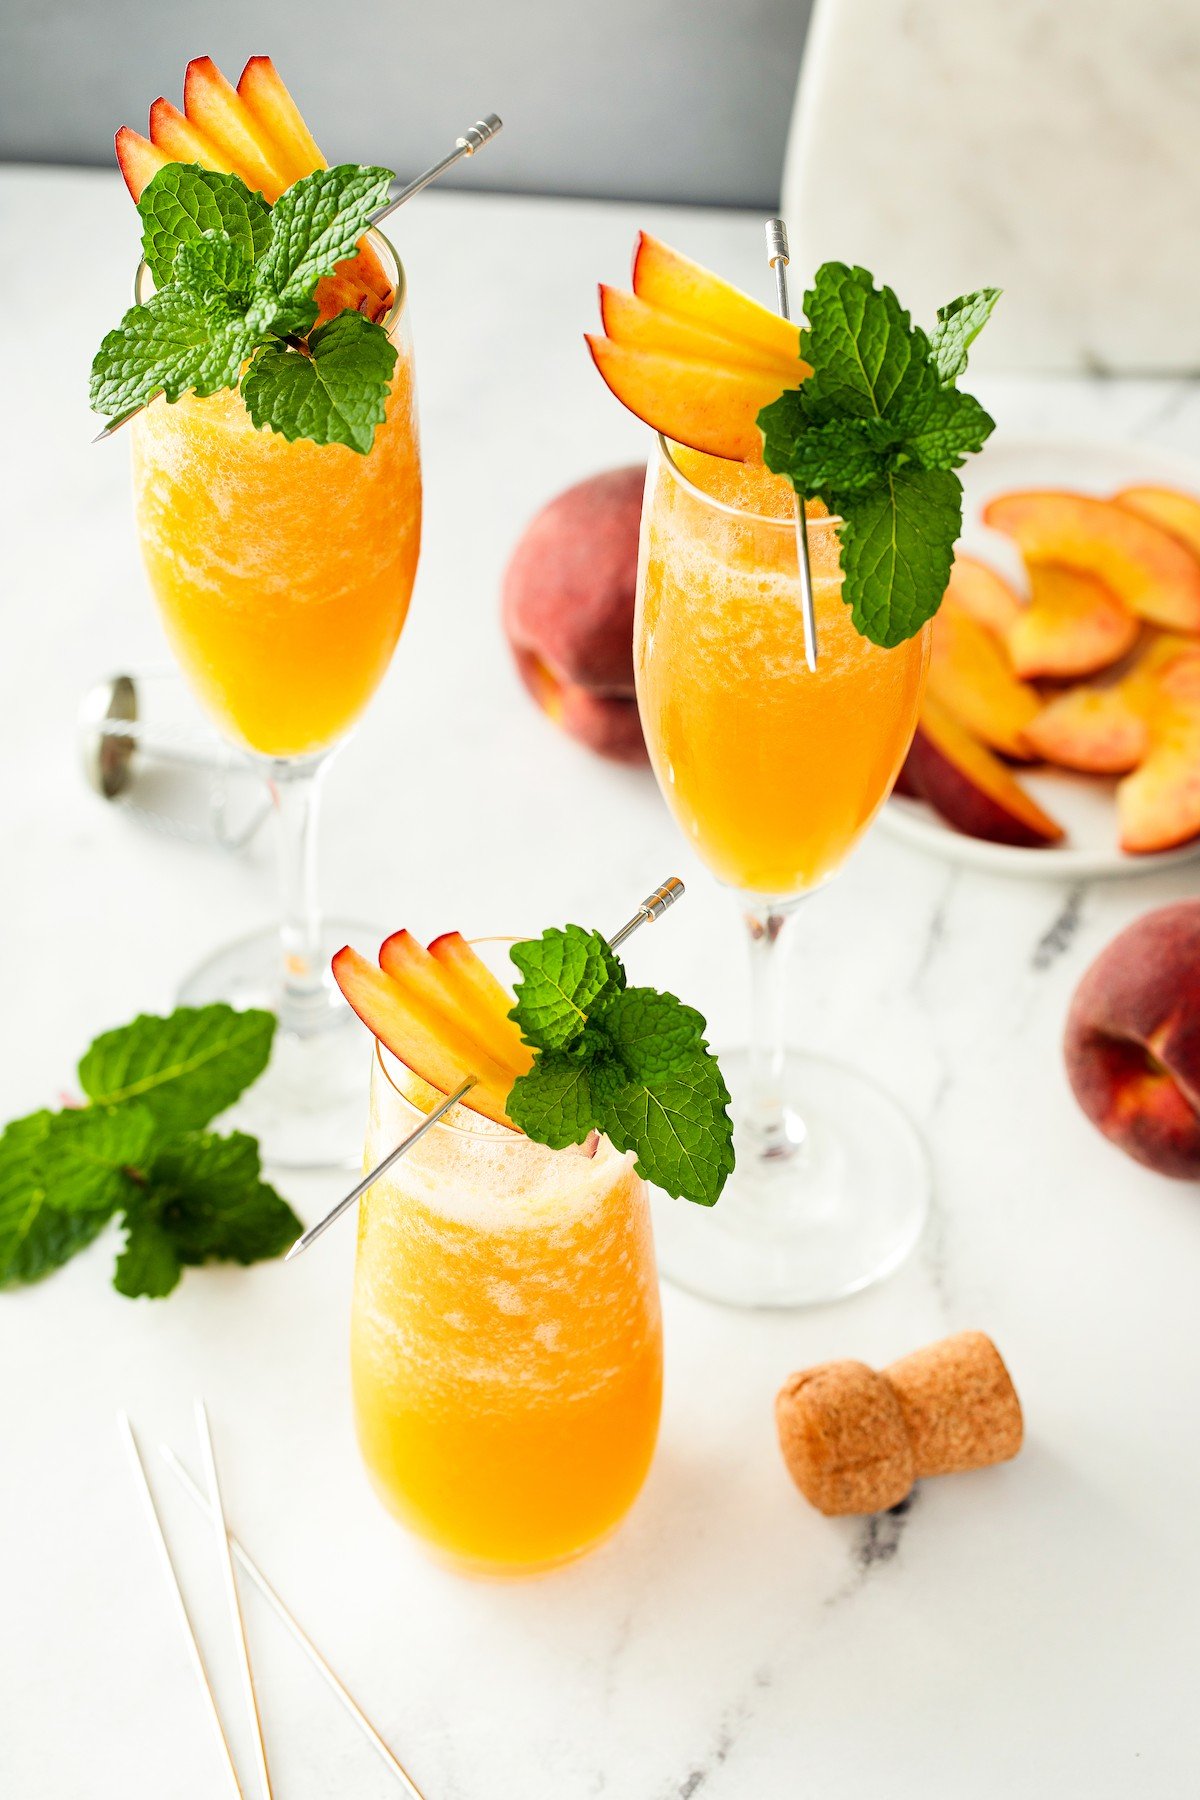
[234, 305]
[140, 1152]
[630, 1062]
[876, 431]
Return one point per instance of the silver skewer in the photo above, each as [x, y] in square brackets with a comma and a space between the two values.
[217, 1507]
[479, 134]
[778, 258]
[653, 907]
[301, 1637]
[180, 1605]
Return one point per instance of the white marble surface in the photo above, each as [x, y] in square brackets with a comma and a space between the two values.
[1046, 149]
[1029, 1630]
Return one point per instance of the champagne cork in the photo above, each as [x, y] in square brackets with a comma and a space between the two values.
[855, 1440]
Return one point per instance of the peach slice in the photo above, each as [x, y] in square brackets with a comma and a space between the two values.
[426, 1040]
[430, 983]
[174, 134]
[701, 404]
[971, 788]
[675, 284]
[1147, 569]
[479, 990]
[970, 675]
[214, 106]
[138, 159]
[978, 590]
[1176, 512]
[1104, 729]
[1158, 807]
[279, 119]
[640, 326]
[1073, 625]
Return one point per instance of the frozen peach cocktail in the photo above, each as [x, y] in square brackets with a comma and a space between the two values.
[505, 1338]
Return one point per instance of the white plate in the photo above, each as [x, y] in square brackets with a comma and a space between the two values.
[1082, 804]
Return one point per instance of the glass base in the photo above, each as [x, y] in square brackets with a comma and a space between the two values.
[829, 1205]
[309, 1109]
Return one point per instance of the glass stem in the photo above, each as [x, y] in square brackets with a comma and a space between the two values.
[295, 791]
[774, 1129]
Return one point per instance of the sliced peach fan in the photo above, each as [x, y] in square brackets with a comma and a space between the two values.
[442, 1012]
[255, 131]
[970, 787]
[692, 356]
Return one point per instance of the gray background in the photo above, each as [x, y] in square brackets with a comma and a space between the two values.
[640, 99]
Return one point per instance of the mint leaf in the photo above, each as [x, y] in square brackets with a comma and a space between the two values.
[553, 1103]
[88, 1152]
[215, 270]
[564, 975]
[958, 325]
[335, 391]
[175, 344]
[203, 1199]
[876, 431]
[865, 353]
[945, 428]
[897, 548]
[183, 201]
[186, 1068]
[148, 1266]
[318, 223]
[680, 1134]
[36, 1237]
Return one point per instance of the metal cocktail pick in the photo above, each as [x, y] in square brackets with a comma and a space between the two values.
[778, 258]
[480, 133]
[653, 907]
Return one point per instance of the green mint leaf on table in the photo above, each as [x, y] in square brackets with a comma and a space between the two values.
[628, 1061]
[186, 1068]
[334, 390]
[235, 289]
[139, 1150]
[202, 1198]
[318, 223]
[958, 325]
[185, 201]
[876, 431]
[563, 975]
[36, 1236]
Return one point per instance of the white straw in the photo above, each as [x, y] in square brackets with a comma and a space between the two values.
[176, 1592]
[217, 1509]
[301, 1637]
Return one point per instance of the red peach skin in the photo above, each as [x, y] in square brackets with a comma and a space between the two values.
[1132, 1042]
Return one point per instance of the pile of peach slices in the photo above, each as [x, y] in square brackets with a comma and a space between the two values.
[442, 1012]
[257, 131]
[1096, 669]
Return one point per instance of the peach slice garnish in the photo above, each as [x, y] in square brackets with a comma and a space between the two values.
[426, 1039]
[1176, 512]
[675, 284]
[705, 405]
[970, 787]
[468, 1003]
[1104, 729]
[1158, 807]
[639, 326]
[971, 676]
[978, 590]
[1149, 570]
[279, 119]
[1073, 625]
[138, 159]
[179, 139]
[213, 104]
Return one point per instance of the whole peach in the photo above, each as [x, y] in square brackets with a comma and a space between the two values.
[568, 610]
[1133, 1040]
